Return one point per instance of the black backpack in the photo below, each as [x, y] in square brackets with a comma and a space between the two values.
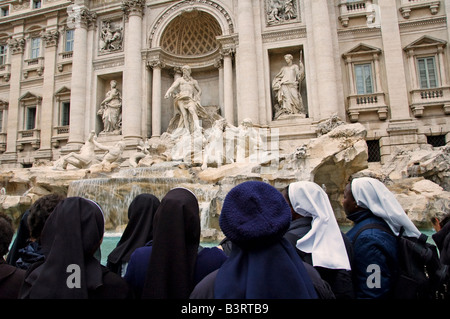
[420, 274]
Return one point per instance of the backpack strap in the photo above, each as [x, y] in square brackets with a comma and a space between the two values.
[373, 226]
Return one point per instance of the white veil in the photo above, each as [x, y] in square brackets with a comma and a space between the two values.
[324, 241]
[370, 193]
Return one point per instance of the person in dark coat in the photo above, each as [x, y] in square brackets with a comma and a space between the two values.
[21, 240]
[38, 214]
[170, 266]
[11, 278]
[138, 232]
[442, 240]
[262, 264]
[368, 201]
[71, 236]
[316, 234]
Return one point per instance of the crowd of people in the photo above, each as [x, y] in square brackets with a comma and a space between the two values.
[278, 245]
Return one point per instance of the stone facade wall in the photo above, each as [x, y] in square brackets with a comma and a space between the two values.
[403, 44]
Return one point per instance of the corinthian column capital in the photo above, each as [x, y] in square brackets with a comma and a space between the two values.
[16, 45]
[133, 7]
[80, 17]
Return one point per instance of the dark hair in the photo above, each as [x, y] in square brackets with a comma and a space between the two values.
[6, 234]
[39, 212]
[444, 220]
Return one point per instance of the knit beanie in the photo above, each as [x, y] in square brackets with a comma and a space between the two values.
[254, 214]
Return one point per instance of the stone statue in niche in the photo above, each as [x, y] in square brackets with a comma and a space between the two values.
[279, 11]
[111, 38]
[286, 86]
[186, 94]
[111, 110]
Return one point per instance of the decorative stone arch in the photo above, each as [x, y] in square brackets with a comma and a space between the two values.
[214, 9]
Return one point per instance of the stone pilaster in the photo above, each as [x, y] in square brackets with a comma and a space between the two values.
[324, 52]
[247, 66]
[81, 19]
[16, 46]
[394, 61]
[50, 37]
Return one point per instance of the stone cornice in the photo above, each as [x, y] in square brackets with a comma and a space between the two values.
[419, 24]
[282, 35]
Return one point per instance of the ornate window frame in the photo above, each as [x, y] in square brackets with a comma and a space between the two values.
[364, 103]
[31, 136]
[421, 98]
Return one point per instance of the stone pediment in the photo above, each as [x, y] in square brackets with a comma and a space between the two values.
[29, 96]
[426, 41]
[361, 49]
[62, 91]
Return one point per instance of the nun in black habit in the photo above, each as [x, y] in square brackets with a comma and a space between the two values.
[171, 266]
[138, 232]
[70, 238]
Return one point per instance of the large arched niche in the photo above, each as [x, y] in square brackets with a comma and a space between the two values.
[218, 12]
[190, 33]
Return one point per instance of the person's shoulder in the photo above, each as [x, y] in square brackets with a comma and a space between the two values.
[141, 252]
[113, 286]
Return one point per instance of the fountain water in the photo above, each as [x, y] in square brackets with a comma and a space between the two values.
[114, 194]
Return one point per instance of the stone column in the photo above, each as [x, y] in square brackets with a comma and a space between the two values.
[81, 20]
[324, 52]
[46, 124]
[393, 57]
[349, 64]
[248, 96]
[219, 65]
[376, 58]
[132, 92]
[228, 86]
[412, 69]
[16, 46]
[156, 65]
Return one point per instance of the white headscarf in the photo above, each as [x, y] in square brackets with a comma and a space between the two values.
[370, 193]
[324, 241]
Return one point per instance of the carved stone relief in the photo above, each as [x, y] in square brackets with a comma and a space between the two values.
[111, 36]
[281, 11]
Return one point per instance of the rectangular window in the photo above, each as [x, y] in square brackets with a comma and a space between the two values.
[69, 41]
[35, 47]
[364, 79]
[65, 113]
[436, 140]
[4, 12]
[373, 150]
[1, 121]
[3, 51]
[37, 4]
[30, 118]
[427, 72]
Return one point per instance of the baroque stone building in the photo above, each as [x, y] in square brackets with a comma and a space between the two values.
[383, 63]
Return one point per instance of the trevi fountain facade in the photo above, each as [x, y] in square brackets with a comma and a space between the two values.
[108, 99]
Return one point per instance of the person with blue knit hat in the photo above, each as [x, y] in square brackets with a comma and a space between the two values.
[262, 264]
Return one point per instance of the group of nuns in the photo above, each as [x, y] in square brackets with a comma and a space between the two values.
[159, 255]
